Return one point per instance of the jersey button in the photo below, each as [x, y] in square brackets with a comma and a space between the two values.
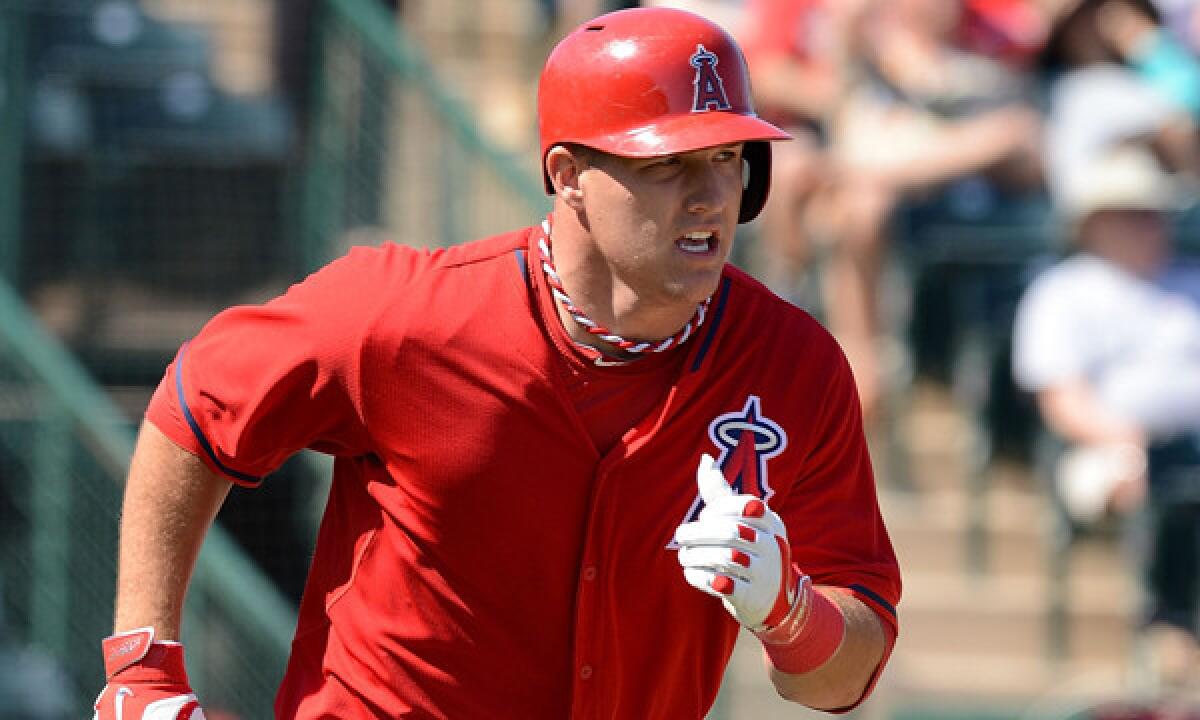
[585, 672]
[589, 573]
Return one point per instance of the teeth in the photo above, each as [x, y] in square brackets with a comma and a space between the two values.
[696, 242]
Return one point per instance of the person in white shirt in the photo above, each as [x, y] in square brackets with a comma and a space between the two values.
[1108, 339]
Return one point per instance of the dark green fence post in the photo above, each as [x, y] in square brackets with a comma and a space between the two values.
[50, 527]
[323, 185]
[13, 23]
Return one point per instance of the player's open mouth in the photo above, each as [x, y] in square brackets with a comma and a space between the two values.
[700, 242]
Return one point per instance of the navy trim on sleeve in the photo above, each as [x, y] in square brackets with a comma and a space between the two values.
[874, 596]
[520, 253]
[718, 313]
[191, 421]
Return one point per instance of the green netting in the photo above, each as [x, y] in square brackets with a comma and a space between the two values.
[392, 154]
[138, 198]
[63, 452]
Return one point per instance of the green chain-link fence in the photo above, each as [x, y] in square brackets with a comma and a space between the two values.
[63, 451]
[390, 150]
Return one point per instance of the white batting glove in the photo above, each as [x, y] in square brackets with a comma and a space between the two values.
[737, 550]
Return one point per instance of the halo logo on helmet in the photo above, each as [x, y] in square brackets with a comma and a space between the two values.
[710, 89]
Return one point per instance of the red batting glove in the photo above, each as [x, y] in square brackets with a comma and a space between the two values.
[146, 680]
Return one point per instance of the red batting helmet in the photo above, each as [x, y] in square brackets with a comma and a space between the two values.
[648, 82]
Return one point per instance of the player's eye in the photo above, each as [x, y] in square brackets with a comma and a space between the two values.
[663, 167]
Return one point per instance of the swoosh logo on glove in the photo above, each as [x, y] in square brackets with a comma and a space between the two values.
[120, 702]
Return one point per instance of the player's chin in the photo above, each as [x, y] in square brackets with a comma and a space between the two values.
[696, 287]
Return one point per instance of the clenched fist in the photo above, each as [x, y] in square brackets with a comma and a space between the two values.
[737, 550]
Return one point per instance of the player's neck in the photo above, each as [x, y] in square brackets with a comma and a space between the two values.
[617, 310]
[593, 287]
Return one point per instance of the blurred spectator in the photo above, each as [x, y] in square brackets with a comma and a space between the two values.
[795, 50]
[1137, 36]
[1012, 31]
[1116, 74]
[918, 112]
[1109, 341]
[1182, 20]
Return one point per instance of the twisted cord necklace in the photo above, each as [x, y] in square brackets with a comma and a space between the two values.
[595, 328]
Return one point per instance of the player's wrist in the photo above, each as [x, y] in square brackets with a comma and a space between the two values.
[135, 656]
[791, 606]
[808, 635]
[146, 679]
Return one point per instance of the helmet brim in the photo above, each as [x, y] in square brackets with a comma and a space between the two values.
[684, 133]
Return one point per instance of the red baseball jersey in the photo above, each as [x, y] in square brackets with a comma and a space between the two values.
[482, 554]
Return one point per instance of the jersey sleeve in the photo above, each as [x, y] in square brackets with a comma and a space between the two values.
[832, 511]
[835, 528]
[259, 383]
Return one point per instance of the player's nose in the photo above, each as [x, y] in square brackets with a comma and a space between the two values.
[707, 191]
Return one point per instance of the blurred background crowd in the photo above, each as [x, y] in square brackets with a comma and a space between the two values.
[990, 203]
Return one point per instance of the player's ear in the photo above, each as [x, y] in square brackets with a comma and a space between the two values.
[564, 166]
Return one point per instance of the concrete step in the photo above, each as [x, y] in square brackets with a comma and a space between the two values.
[983, 679]
[932, 426]
[941, 461]
[1010, 615]
[1008, 507]
[930, 531]
[938, 442]
[1092, 593]
[976, 678]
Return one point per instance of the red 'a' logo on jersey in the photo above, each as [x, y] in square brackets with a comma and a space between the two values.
[747, 440]
[710, 90]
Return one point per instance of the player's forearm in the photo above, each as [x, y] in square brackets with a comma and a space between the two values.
[171, 498]
[841, 681]
[969, 146]
[777, 84]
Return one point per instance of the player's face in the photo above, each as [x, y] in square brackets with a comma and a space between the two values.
[664, 226]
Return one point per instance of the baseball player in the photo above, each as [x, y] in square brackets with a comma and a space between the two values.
[571, 460]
